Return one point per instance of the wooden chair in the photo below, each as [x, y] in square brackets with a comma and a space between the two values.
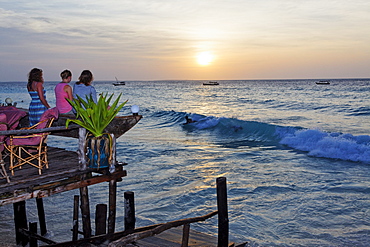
[31, 149]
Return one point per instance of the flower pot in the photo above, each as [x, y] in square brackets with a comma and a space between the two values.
[98, 151]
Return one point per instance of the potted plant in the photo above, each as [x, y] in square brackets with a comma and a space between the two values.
[95, 117]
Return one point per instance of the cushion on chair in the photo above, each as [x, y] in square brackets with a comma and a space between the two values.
[30, 141]
[48, 114]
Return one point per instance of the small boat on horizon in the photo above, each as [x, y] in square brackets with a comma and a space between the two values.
[211, 83]
[119, 83]
[323, 82]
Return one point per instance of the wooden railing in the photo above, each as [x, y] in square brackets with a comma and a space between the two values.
[35, 131]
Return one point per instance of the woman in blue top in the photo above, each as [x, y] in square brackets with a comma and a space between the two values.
[37, 92]
[83, 87]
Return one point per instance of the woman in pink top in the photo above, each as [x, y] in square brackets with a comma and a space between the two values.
[63, 91]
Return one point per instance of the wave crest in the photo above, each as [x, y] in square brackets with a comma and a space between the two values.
[232, 132]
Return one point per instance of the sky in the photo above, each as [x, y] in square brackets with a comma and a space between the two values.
[164, 39]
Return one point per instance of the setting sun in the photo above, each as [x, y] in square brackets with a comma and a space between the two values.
[204, 58]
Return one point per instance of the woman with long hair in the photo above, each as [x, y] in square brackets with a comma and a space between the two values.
[35, 87]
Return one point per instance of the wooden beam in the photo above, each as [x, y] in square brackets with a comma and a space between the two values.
[20, 221]
[129, 205]
[76, 199]
[185, 235]
[34, 235]
[33, 229]
[41, 214]
[112, 206]
[223, 219]
[81, 149]
[85, 211]
[101, 219]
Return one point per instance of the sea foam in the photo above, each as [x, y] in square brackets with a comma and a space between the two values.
[330, 145]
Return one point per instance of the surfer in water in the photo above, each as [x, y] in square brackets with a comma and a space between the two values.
[237, 128]
[189, 120]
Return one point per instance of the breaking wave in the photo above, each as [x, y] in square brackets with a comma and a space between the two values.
[318, 143]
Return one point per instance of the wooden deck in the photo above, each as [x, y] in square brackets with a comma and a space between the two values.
[63, 174]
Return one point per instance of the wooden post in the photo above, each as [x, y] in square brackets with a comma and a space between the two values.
[33, 229]
[223, 220]
[41, 213]
[129, 211]
[112, 165]
[85, 212]
[112, 206]
[81, 148]
[185, 235]
[75, 218]
[101, 219]
[20, 221]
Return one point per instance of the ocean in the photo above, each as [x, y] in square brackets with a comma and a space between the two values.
[296, 156]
